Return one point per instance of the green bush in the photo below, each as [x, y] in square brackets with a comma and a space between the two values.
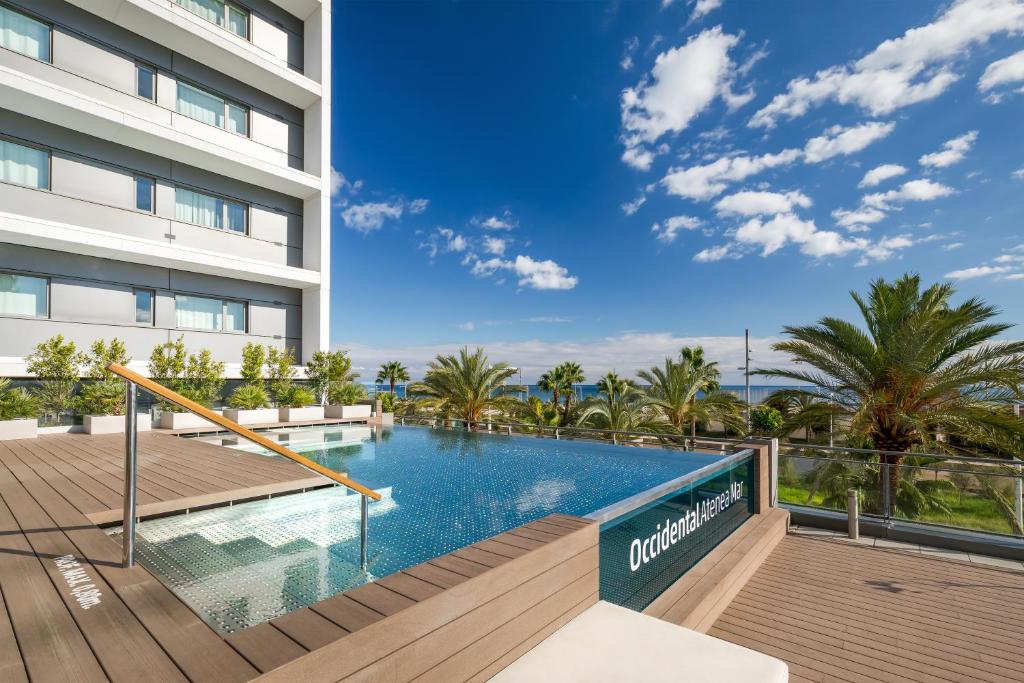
[296, 397]
[56, 363]
[204, 378]
[387, 402]
[345, 394]
[765, 420]
[326, 369]
[101, 398]
[167, 364]
[249, 397]
[102, 354]
[254, 357]
[16, 403]
[280, 372]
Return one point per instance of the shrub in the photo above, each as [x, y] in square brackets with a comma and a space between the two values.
[346, 394]
[280, 372]
[297, 397]
[249, 397]
[101, 398]
[16, 403]
[254, 357]
[387, 402]
[765, 420]
[204, 378]
[167, 363]
[56, 363]
[326, 369]
[102, 354]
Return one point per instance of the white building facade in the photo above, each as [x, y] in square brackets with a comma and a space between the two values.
[164, 172]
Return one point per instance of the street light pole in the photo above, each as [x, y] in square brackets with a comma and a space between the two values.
[746, 374]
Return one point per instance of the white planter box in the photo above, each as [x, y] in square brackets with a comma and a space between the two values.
[348, 412]
[256, 416]
[300, 414]
[387, 418]
[169, 420]
[114, 424]
[19, 429]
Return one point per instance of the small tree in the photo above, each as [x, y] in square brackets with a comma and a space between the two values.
[204, 378]
[326, 369]
[104, 395]
[765, 420]
[392, 372]
[57, 365]
[254, 357]
[280, 371]
[167, 363]
[346, 393]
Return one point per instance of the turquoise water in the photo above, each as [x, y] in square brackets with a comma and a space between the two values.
[441, 490]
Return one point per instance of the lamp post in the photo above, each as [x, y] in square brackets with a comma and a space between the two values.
[746, 374]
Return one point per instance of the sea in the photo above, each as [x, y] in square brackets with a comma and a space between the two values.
[758, 392]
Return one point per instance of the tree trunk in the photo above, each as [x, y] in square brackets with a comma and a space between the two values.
[392, 386]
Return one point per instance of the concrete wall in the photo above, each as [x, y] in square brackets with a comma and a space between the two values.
[92, 298]
[92, 185]
[97, 58]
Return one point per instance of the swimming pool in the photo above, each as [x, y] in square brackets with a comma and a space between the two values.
[440, 491]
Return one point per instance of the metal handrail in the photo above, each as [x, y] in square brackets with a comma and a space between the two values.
[902, 454]
[134, 380]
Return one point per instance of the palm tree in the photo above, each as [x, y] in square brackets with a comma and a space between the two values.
[789, 403]
[552, 381]
[921, 368]
[392, 372]
[674, 389]
[466, 387]
[536, 412]
[694, 355]
[621, 407]
[570, 373]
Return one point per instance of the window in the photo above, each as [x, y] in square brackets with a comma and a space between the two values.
[202, 313]
[144, 299]
[208, 210]
[23, 295]
[144, 193]
[224, 14]
[145, 82]
[24, 34]
[200, 105]
[24, 165]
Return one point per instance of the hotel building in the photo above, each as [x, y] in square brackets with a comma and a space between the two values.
[164, 172]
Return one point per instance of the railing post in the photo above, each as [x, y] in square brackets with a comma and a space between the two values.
[363, 530]
[852, 514]
[510, 430]
[1018, 497]
[886, 491]
[556, 434]
[131, 441]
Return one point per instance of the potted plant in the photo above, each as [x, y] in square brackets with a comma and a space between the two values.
[343, 401]
[101, 401]
[249, 406]
[296, 405]
[56, 364]
[386, 412]
[195, 376]
[17, 412]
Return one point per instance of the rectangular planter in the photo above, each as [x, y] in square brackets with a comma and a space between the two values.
[114, 424]
[387, 419]
[19, 429]
[348, 412]
[300, 414]
[256, 416]
[169, 420]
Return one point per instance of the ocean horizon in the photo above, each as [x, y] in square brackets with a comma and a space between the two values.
[758, 392]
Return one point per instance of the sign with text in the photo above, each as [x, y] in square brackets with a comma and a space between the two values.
[646, 550]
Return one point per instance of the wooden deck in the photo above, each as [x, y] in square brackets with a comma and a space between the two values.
[836, 611]
[68, 611]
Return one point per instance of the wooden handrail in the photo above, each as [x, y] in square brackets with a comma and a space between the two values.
[176, 398]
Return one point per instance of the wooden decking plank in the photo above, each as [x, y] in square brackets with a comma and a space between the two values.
[553, 529]
[483, 557]
[499, 548]
[517, 541]
[221, 457]
[77, 495]
[108, 626]
[88, 469]
[459, 565]
[12, 666]
[442, 578]
[409, 586]
[51, 645]
[308, 629]
[533, 534]
[380, 599]
[265, 647]
[72, 477]
[346, 612]
[155, 483]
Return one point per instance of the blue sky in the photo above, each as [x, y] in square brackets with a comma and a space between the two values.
[607, 181]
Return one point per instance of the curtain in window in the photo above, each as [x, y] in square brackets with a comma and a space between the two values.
[22, 295]
[198, 312]
[238, 119]
[234, 319]
[24, 34]
[24, 165]
[211, 10]
[200, 105]
[193, 207]
[236, 217]
[238, 22]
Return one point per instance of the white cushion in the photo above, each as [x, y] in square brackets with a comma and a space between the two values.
[612, 643]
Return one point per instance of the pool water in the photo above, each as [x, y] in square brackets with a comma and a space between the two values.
[440, 490]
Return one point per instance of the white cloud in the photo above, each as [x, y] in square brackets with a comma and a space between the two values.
[503, 222]
[627, 54]
[708, 180]
[625, 353]
[629, 208]
[911, 191]
[453, 242]
[884, 249]
[533, 274]
[495, 245]
[1003, 71]
[951, 246]
[467, 326]
[838, 140]
[773, 234]
[716, 253]
[976, 272]
[337, 181]
[915, 67]
[418, 206]
[702, 8]
[684, 82]
[952, 151]
[1018, 174]
[667, 230]
[857, 220]
[369, 217]
[755, 203]
[880, 174]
